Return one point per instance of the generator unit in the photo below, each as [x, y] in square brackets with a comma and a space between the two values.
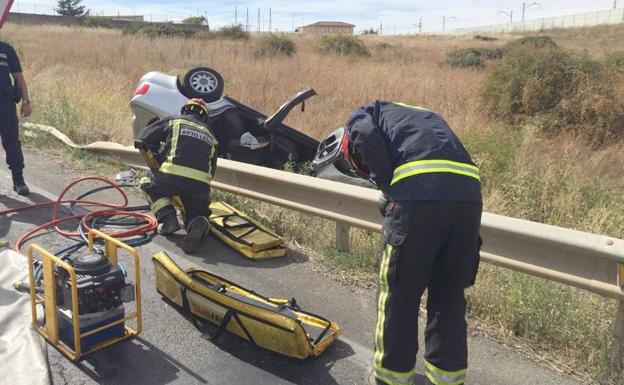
[84, 298]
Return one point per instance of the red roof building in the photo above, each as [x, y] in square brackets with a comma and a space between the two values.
[328, 27]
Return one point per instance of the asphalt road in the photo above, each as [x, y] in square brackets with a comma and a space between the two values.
[171, 351]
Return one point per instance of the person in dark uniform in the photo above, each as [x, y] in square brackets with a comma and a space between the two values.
[11, 92]
[431, 203]
[185, 150]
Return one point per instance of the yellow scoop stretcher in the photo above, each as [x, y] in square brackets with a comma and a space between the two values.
[278, 325]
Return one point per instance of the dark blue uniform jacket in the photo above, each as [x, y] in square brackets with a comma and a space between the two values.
[386, 135]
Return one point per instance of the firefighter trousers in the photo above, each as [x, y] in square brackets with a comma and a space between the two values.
[159, 194]
[433, 246]
[9, 133]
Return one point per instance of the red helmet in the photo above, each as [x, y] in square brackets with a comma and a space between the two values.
[349, 156]
[195, 106]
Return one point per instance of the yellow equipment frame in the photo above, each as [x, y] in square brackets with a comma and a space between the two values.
[50, 331]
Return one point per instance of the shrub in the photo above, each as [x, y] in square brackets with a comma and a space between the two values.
[95, 22]
[560, 90]
[533, 41]
[341, 45]
[615, 61]
[233, 32]
[158, 30]
[472, 57]
[275, 44]
[484, 38]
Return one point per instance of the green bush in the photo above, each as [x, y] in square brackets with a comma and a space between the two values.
[533, 41]
[95, 22]
[342, 45]
[484, 38]
[472, 57]
[233, 32]
[158, 30]
[615, 61]
[273, 44]
[559, 90]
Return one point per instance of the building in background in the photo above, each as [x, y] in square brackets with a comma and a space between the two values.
[328, 27]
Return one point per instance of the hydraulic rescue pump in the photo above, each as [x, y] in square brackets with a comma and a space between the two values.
[84, 297]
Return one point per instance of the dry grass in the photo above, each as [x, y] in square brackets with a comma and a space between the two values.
[82, 81]
[100, 68]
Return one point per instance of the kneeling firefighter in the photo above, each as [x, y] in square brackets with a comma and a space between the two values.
[184, 150]
[431, 203]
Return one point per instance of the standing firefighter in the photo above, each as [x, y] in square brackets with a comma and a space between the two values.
[431, 201]
[10, 94]
[185, 152]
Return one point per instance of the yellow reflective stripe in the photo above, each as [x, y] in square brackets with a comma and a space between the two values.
[409, 106]
[381, 306]
[160, 204]
[393, 377]
[185, 172]
[435, 161]
[444, 377]
[434, 166]
[174, 140]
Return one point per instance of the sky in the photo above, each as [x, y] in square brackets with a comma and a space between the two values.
[395, 17]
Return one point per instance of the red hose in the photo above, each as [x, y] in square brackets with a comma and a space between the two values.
[85, 219]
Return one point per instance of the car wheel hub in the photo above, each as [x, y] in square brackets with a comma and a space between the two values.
[203, 82]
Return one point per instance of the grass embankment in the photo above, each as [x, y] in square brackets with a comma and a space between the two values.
[83, 88]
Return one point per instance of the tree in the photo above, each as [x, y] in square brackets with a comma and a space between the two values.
[197, 20]
[70, 8]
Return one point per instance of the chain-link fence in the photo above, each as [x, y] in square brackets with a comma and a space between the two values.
[613, 16]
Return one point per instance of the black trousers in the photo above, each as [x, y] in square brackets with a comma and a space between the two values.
[9, 132]
[159, 194]
[434, 246]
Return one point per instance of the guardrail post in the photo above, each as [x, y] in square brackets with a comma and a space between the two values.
[342, 236]
[618, 332]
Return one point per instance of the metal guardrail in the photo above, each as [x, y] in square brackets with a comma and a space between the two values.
[588, 261]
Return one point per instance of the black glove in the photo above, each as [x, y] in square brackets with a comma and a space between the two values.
[140, 145]
[382, 204]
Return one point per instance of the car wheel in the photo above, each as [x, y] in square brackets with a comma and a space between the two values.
[202, 82]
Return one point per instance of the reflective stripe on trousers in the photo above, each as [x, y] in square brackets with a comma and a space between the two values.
[159, 204]
[444, 377]
[434, 165]
[388, 376]
[185, 172]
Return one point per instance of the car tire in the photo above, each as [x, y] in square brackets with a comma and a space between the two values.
[202, 82]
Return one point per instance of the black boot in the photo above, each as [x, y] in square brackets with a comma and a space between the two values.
[168, 224]
[195, 231]
[19, 186]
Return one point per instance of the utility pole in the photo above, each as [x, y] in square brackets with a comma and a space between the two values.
[235, 15]
[381, 28]
[258, 20]
[247, 21]
[510, 14]
[420, 26]
[445, 19]
[525, 7]
[614, 4]
[270, 21]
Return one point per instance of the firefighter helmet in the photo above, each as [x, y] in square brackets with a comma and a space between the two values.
[196, 107]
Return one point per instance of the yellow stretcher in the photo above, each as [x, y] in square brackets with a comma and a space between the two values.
[278, 325]
[242, 233]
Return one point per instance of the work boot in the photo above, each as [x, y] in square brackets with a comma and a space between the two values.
[168, 225]
[195, 231]
[19, 186]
